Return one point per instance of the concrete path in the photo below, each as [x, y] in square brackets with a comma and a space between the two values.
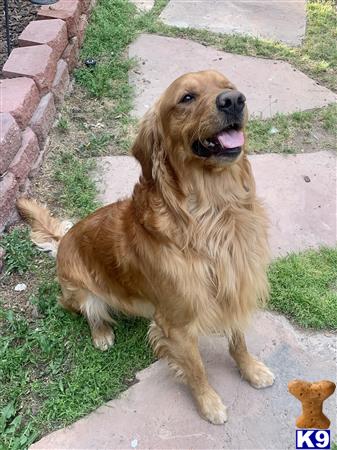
[302, 214]
[158, 413]
[270, 86]
[277, 20]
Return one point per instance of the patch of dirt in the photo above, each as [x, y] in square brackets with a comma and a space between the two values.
[21, 302]
[315, 140]
[20, 13]
[86, 127]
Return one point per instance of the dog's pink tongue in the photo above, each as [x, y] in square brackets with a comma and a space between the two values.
[231, 139]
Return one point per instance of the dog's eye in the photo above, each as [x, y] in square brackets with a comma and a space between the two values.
[187, 98]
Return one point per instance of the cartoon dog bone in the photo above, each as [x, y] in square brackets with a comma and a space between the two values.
[312, 396]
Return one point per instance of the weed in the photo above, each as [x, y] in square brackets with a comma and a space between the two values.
[63, 124]
[20, 252]
[96, 145]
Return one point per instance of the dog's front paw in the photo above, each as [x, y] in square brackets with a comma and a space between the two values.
[212, 409]
[103, 340]
[257, 374]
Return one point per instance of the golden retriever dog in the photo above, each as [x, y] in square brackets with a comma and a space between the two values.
[189, 248]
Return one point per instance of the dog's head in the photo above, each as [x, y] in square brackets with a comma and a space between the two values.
[199, 118]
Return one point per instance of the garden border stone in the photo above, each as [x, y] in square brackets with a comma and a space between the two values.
[31, 92]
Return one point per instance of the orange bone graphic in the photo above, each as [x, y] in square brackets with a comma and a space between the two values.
[312, 396]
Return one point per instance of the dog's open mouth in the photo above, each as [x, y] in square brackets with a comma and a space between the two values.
[228, 143]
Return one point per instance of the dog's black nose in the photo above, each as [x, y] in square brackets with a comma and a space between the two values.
[230, 102]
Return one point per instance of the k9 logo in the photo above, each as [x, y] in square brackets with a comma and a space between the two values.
[312, 439]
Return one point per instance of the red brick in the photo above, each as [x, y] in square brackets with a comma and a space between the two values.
[70, 54]
[67, 10]
[20, 97]
[8, 191]
[37, 62]
[26, 156]
[51, 32]
[61, 82]
[81, 29]
[10, 140]
[43, 118]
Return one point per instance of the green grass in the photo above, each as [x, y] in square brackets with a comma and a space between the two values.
[279, 133]
[20, 252]
[78, 188]
[50, 372]
[112, 27]
[304, 288]
[95, 145]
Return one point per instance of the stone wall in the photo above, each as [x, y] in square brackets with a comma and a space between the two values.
[37, 75]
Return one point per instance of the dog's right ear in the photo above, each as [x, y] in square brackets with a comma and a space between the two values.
[148, 146]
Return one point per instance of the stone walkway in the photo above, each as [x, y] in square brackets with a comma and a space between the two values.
[277, 20]
[300, 194]
[270, 86]
[159, 413]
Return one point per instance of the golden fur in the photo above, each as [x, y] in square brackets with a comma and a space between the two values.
[188, 249]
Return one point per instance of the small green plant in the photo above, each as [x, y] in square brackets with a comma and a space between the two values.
[20, 251]
[63, 124]
[96, 145]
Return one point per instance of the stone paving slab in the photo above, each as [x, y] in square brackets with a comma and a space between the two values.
[159, 413]
[277, 20]
[302, 214]
[270, 86]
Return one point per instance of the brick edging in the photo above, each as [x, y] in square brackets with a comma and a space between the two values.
[37, 75]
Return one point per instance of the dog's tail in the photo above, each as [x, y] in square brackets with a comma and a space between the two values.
[46, 231]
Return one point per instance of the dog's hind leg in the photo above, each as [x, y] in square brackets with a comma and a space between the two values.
[95, 311]
[254, 371]
[181, 350]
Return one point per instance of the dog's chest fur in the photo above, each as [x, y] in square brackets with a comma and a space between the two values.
[224, 261]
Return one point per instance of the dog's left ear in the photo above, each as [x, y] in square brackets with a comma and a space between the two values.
[148, 147]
